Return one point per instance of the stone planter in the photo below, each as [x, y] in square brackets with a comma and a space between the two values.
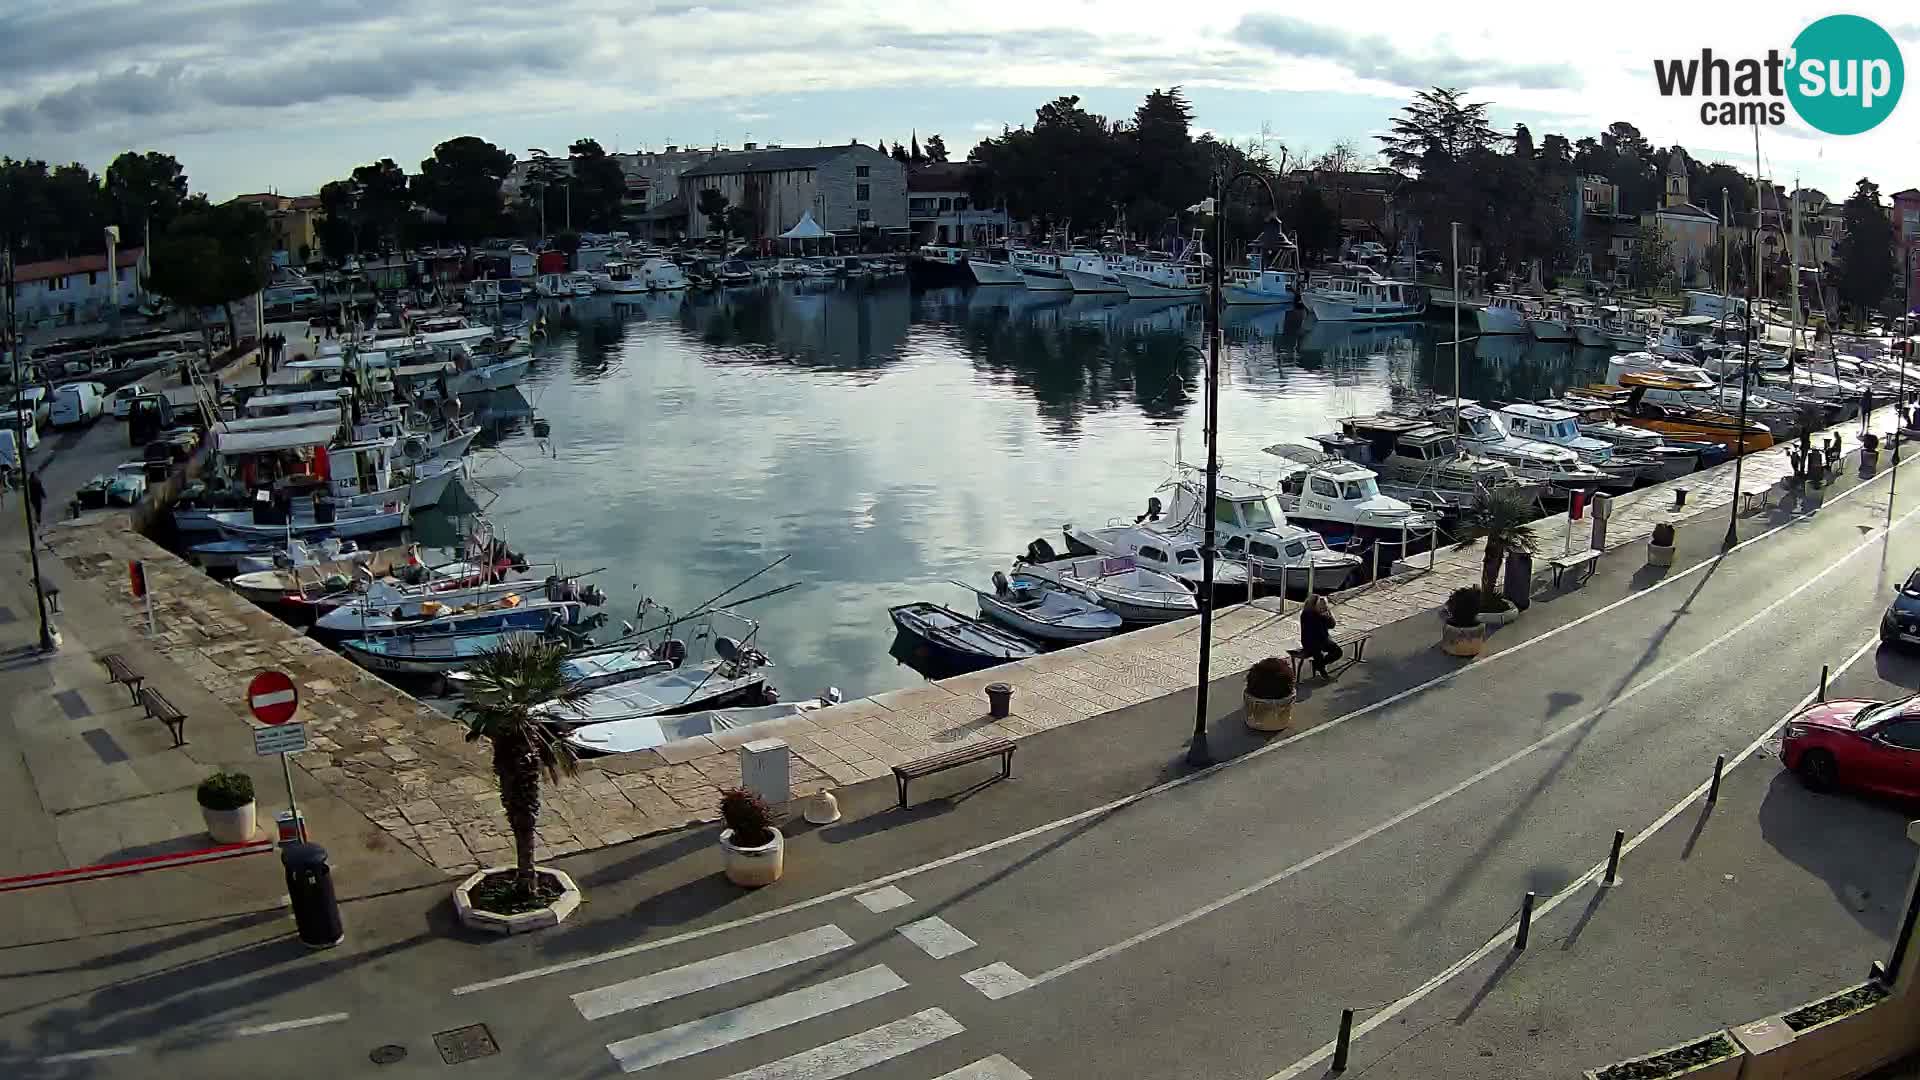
[1499, 618]
[553, 914]
[753, 867]
[1846, 1045]
[1722, 1067]
[234, 826]
[1658, 555]
[1462, 640]
[1270, 714]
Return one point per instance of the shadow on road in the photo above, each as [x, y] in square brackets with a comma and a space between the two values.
[1844, 840]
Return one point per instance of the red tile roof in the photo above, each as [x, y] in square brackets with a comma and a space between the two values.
[26, 273]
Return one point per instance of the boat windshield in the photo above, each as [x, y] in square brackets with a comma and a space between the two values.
[1565, 429]
[1187, 555]
[1257, 513]
[1353, 490]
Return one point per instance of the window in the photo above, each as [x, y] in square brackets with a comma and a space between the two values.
[1257, 513]
[1263, 551]
[864, 214]
[946, 204]
[1904, 734]
[863, 170]
[1324, 487]
[1188, 555]
[57, 284]
[1223, 511]
[918, 207]
[1353, 489]
[1153, 553]
[1296, 549]
[861, 193]
[93, 277]
[1236, 546]
[960, 204]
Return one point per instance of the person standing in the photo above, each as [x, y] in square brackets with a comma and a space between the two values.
[36, 494]
[1316, 634]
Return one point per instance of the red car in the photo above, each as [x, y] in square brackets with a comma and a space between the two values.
[1856, 743]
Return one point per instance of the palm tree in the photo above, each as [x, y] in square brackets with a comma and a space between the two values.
[1500, 517]
[507, 683]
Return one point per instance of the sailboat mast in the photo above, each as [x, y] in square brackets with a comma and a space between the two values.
[1793, 274]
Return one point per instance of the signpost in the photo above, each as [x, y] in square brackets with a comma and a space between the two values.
[137, 579]
[274, 699]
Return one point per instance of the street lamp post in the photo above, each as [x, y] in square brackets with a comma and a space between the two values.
[48, 643]
[1199, 754]
[1746, 376]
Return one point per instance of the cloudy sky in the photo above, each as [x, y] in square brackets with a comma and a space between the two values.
[287, 94]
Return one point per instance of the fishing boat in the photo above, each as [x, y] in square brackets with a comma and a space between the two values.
[1561, 427]
[993, 266]
[1176, 556]
[1694, 423]
[1252, 529]
[1596, 421]
[1090, 272]
[715, 684]
[1159, 279]
[1364, 299]
[1552, 321]
[1035, 607]
[1040, 270]
[1481, 432]
[1342, 501]
[617, 276]
[386, 606]
[942, 638]
[1422, 463]
[1247, 285]
[447, 645]
[1624, 327]
[1503, 313]
[1119, 584]
[341, 523]
[1683, 337]
[648, 732]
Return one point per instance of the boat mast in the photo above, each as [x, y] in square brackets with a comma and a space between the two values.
[1456, 330]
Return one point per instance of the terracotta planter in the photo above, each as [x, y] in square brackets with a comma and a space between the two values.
[229, 826]
[1658, 555]
[1269, 714]
[753, 867]
[1462, 640]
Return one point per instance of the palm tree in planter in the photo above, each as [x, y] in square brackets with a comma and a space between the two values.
[506, 684]
[1500, 517]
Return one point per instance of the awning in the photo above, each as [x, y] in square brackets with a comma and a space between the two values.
[310, 418]
[300, 397]
[271, 439]
[805, 229]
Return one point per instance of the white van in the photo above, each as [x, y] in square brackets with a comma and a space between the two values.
[77, 403]
[123, 399]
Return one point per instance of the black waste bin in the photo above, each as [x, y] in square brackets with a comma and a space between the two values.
[1519, 583]
[310, 886]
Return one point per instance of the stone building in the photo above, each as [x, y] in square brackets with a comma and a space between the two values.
[1690, 230]
[853, 191]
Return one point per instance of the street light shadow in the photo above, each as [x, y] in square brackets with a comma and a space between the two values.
[1493, 979]
[1580, 927]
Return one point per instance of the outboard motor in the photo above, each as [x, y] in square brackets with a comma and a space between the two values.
[1153, 510]
[673, 651]
[1040, 551]
[1000, 586]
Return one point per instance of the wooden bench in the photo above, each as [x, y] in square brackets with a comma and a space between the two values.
[159, 708]
[1354, 644]
[962, 755]
[119, 671]
[1588, 561]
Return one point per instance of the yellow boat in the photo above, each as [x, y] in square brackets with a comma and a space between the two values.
[1685, 423]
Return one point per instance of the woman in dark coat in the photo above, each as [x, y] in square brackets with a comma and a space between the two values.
[1316, 634]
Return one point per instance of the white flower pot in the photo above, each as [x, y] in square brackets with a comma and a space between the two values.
[229, 826]
[1659, 556]
[754, 866]
[1269, 714]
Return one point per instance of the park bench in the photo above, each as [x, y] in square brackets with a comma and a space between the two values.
[159, 708]
[119, 671]
[1581, 563]
[1354, 644]
[971, 752]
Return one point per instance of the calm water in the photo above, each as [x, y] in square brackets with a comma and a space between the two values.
[892, 441]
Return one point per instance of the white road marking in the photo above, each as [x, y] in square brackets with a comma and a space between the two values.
[844, 1057]
[1388, 1012]
[88, 1055]
[1024, 835]
[987, 1068]
[1436, 799]
[278, 697]
[711, 972]
[996, 980]
[936, 937]
[886, 899]
[771, 1014]
[287, 1025]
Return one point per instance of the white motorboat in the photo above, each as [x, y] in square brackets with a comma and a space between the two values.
[1683, 337]
[598, 667]
[474, 375]
[1341, 499]
[618, 276]
[1089, 272]
[993, 266]
[1245, 285]
[1623, 327]
[1042, 610]
[1252, 529]
[1364, 299]
[1176, 556]
[1117, 583]
[1156, 279]
[1040, 270]
[712, 685]
[661, 275]
[1561, 427]
[1421, 462]
[648, 732]
[347, 522]
[1553, 321]
[1503, 313]
[1481, 432]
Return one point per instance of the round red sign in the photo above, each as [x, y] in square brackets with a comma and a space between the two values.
[272, 697]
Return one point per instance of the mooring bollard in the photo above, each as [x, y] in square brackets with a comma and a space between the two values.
[1613, 859]
[1713, 792]
[1679, 497]
[1526, 922]
[1341, 1044]
[1823, 682]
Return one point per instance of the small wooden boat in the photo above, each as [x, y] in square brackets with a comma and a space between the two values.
[1036, 607]
[945, 638]
[447, 644]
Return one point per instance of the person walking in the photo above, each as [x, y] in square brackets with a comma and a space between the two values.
[1316, 634]
[36, 494]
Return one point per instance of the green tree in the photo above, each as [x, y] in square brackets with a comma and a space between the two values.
[1652, 257]
[510, 687]
[936, 149]
[544, 173]
[339, 226]
[1865, 251]
[713, 207]
[145, 191]
[900, 154]
[1437, 122]
[461, 183]
[384, 202]
[1500, 518]
[211, 256]
[598, 186]
[1315, 227]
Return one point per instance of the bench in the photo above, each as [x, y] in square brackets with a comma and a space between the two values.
[159, 708]
[119, 671]
[963, 755]
[1588, 561]
[1354, 644]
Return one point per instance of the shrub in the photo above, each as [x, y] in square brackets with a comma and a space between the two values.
[1663, 534]
[1271, 679]
[225, 791]
[1463, 606]
[748, 816]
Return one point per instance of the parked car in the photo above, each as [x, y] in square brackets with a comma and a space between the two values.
[1901, 623]
[38, 399]
[123, 398]
[1856, 743]
[77, 403]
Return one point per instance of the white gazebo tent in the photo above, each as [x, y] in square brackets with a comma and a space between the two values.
[806, 229]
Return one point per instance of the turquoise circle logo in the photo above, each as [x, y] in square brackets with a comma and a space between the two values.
[1846, 76]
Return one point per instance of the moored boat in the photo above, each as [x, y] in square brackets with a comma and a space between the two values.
[940, 637]
[1039, 608]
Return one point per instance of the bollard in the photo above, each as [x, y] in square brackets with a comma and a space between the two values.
[1713, 792]
[1376, 561]
[1823, 682]
[1526, 922]
[1679, 497]
[999, 700]
[1310, 565]
[1341, 1044]
[1613, 860]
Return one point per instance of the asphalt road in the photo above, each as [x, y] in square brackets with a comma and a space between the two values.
[1213, 928]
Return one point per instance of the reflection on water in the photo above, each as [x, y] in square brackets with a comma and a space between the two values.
[892, 441]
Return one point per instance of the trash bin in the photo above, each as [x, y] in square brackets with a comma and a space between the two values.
[1518, 587]
[316, 913]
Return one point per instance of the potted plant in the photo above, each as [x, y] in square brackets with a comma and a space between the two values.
[1869, 453]
[1711, 1057]
[1463, 634]
[1660, 545]
[755, 850]
[1501, 518]
[226, 805]
[1269, 699]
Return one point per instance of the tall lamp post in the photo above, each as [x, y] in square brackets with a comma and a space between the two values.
[1746, 367]
[1199, 754]
[48, 643]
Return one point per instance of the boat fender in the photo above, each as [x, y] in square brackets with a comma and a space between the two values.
[1000, 586]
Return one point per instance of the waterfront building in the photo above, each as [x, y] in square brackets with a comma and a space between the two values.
[940, 207]
[294, 223]
[853, 191]
[63, 292]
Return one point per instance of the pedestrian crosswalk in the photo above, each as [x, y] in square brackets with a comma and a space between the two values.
[794, 1005]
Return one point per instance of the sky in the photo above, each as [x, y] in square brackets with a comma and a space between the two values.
[256, 95]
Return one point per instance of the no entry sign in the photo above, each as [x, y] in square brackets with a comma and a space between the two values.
[272, 697]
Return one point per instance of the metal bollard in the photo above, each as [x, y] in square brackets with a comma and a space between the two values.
[1376, 562]
[1823, 682]
[1679, 497]
[1613, 860]
[1342, 1044]
[1526, 922]
[1713, 792]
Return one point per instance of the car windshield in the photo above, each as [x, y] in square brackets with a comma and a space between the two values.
[1885, 710]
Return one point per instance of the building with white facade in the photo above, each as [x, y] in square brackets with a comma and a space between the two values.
[77, 290]
[940, 208]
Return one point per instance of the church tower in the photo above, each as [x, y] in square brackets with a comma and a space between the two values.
[1677, 194]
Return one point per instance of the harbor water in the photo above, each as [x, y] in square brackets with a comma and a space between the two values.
[893, 441]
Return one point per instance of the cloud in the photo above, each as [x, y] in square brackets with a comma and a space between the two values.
[1374, 56]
